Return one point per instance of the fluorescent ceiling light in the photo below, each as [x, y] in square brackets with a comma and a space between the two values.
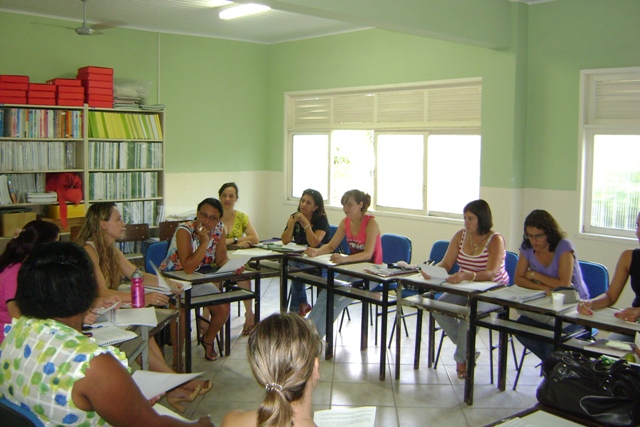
[218, 3]
[242, 10]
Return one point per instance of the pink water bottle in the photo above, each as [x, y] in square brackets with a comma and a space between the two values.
[137, 289]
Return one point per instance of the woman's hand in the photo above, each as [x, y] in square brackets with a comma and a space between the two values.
[312, 252]
[155, 400]
[630, 314]
[301, 219]
[240, 270]
[584, 307]
[456, 278]
[202, 233]
[90, 318]
[205, 422]
[244, 244]
[339, 258]
[176, 287]
[157, 299]
[425, 275]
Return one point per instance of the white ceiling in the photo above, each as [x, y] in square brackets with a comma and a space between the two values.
[192, 17]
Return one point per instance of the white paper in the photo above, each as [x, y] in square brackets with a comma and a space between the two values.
[110, 335]
[434, 272]
[136, 316]
[164, 286]
[152, 384]
[230, 267]
[253, 252]
[161, 410]
[352, 417]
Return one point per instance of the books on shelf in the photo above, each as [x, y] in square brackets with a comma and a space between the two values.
[103, 124]
[42, 198]
[37, 155]
[125, 155]
[19, 185]
[41, 123]
[143, 212]
[122, 185]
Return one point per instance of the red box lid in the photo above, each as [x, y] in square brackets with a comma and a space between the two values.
[99, 91]
[100, 104]
[92, 84]
[13, 99]
[95, 77]
[70, 96]
[90, 69]
[13, 93]
[65, 82]
[70, 102]
[13, 79]
[14, 86]
[42, 101]
[45, 95]
[70, 89]
[41, 87]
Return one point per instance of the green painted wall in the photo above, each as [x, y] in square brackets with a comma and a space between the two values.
[375, 57]
[565, 37]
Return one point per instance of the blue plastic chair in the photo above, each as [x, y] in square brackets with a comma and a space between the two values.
[17, 415]
[343, 248]
[156, 252]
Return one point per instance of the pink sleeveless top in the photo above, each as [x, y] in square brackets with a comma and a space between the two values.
[357, 242]
[475, 263]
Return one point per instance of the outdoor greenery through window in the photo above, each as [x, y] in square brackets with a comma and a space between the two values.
[611, 132]
[403, 145]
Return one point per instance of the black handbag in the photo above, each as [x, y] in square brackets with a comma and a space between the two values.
[607, 393]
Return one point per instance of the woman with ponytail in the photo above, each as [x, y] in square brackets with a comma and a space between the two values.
[17, 250]
[283, 353]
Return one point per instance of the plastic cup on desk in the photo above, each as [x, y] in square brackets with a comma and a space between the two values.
[557, 300]
[494, 317]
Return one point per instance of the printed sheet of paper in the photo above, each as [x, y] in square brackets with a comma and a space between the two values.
[152, 384]
[352, 417]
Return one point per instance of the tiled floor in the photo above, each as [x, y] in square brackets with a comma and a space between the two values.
[424, 397]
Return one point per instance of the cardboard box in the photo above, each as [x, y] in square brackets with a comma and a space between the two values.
[90, 69]
[65, 82]
[73, 211]
[13, 220]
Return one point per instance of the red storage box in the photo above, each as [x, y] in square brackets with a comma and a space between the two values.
[76, 90]
[100, 104]
[65, 82]
[99, 98]
[41, 87]
[13, 79]
[70, 96]
[12, 93]
[96, 77]
[96, 84]
[41, 101]
[90, 69]
[13, 99]
[14, 86]
[99, 91]
[70, 102]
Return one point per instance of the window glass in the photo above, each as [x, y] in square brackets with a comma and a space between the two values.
[352, 163]
[400, 172]
[310, 155]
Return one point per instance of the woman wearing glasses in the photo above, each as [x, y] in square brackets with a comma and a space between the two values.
[201, 243]
[547, 261]
[308, 226]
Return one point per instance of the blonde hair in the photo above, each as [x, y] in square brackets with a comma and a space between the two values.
[282, 352]
[92, 231]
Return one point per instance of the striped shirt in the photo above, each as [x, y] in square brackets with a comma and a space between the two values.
[477, 263]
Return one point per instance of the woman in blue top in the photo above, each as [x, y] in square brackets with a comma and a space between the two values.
[547, 261]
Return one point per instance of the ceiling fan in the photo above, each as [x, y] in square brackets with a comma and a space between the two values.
[88, 30]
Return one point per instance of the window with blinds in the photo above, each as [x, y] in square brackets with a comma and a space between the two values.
[610, 124]
[389, 141]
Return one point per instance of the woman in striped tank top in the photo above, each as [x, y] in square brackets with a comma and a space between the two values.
[480, 253]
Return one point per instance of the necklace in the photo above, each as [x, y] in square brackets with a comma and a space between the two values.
[474, 245]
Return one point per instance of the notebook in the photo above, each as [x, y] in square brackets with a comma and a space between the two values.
[231, 266]
[519, 294]
[111, 335]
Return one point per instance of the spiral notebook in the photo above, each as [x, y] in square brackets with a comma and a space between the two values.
[111, 335]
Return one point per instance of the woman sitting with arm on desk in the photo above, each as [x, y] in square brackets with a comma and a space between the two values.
[196, 244]
[547, 261]
[102, 226]
[241, 234]
[628, 266]
[18, 249]
[283, 354]
[50, 367]
[308, 226]
[480, 253]
[363, 237]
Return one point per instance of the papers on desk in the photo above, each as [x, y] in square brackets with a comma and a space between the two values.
[436, 273]
[230, 267]
[279, 247]
[253, 252]
[382, 271]
[324, 259]
[538, 419]
[127, 317]
[152, 384]
[352, 417]
[111, 335]
[518, 293]
[165, 287]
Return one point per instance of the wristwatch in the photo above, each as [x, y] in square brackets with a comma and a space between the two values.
[235, 240]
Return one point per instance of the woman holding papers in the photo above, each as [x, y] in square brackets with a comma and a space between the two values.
[196, 244]
[547, 261]
[308, 226]
[71, 380]
[363, 236]
[628, 266]
[240, 233]
[480, 253]
[102, 226]
[18, 249]
[283, 353]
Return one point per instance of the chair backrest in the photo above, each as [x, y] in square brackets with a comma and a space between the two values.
[156, 252]
[17, 416]
[438, 250]
[510, 263]
[344, 246]
[73, 232]
[166, 229]
[595, 276]
[135, 233]
[395, 248]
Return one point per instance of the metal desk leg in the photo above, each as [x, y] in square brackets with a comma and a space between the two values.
[364, 326]
[328, 354]
[256, 301]
[383, 329]
[503, 337]
[416, 350]
[398, 331]
[284, 280]
[471, 350]
[144, 334]
[187, 330]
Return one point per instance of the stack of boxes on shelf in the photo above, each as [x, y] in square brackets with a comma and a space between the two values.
[98, 86]
[13, 89]
[41, 94]
[92, 85]
[68, 92]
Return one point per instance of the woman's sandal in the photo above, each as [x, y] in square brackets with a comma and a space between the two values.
[176, 402]
[247, 328]
[462, 372]
[205, 386]
[214, 356]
